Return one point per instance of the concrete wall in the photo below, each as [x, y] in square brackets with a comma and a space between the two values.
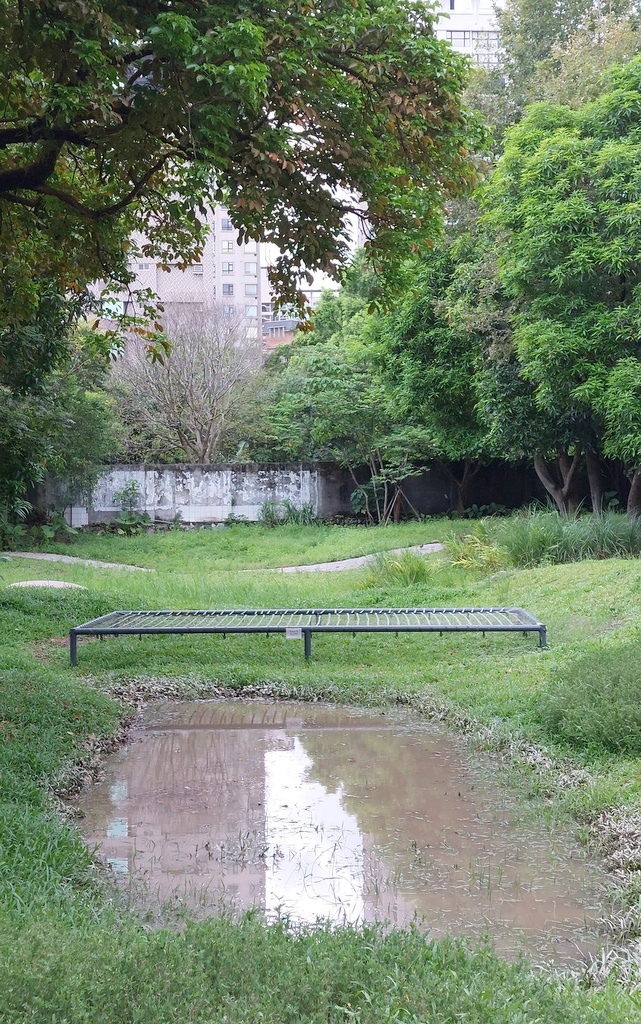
[209, 494]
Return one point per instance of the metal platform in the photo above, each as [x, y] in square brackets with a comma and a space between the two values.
[300, 623]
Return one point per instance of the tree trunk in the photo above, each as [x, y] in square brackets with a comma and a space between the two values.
[595, 478]
[634, 497]
[462, 484]
[564, 494]
[396, 507]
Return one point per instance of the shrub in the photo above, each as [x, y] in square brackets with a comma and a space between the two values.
[400, 570]
[474, 551]
[285, 513]
[595, 702]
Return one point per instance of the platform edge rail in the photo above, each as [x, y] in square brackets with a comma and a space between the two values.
[308, 621]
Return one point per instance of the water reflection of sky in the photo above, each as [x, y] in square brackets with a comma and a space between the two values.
[315, 861]
[309, 813]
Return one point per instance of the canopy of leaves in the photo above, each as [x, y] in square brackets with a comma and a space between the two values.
[535, 34]
[66, 427]
[121, 115]
[565, 203]
[432, 366]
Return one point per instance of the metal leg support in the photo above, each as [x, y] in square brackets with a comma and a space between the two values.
[73, 647]
[543, 642]
[307, 636]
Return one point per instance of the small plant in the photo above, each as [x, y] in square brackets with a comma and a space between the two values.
[234, 520]
[473, 552]
[56, 528]
[405, 569]
[270, 514]
[129, 520]
[285, 513]
[12, 525]
[481, 511]
[303, 516]
[129, 497]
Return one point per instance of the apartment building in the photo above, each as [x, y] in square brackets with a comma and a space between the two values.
[231, 275]
[228, 275]
[471, 28]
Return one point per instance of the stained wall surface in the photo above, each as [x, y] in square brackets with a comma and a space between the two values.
[212, 493]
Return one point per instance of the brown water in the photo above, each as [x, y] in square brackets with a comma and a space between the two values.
[312, 812]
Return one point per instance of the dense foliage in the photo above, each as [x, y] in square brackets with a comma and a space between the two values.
[123, 117]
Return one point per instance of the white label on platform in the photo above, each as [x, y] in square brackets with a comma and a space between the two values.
[293, 633]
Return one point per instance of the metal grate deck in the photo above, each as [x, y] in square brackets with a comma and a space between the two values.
[302, 622]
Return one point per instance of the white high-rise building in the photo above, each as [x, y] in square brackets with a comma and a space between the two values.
[228, 275]
[471, 28]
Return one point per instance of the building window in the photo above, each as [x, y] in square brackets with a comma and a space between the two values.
[228, 289]
[228, 268]
[451, 5]
[251, 310]
[197, 269]
[228, 246]
[144, 266]
[229, 310]
[226, 224]
[251, 290]
[250, 268]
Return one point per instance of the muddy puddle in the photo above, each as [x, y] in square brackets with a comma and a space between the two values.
[311, 812]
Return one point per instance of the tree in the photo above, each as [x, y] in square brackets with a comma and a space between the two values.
[326, 397]
[191, 399]
[535, 34]
[131, 115]
[564, 204]
[330, 402]
[431, 368]
[66, 427]
[575, 70]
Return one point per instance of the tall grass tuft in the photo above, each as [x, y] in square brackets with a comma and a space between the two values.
[404, 569]
[546, 538]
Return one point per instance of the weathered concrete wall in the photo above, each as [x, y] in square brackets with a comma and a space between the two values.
[209, 494]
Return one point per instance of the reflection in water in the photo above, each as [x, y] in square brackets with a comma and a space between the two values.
[314, 812]
[317, 866]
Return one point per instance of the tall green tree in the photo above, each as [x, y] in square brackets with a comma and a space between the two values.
[431, 367]
[536, 33]
[122, 115]
[565, 206]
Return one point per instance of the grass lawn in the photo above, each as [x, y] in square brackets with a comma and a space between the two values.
[253, 547]
[71, 953]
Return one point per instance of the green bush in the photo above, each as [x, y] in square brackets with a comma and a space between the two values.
[472, 551]
[402, 569]
[285, 513]
[595, 702]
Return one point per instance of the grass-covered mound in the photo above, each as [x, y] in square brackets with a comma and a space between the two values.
[594, 702]
[71, 953]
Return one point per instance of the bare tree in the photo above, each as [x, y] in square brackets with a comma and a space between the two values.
[195, 396]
